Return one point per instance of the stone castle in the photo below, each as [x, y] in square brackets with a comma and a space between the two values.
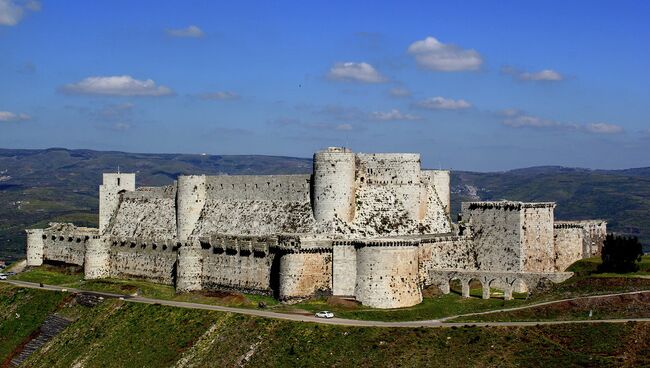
[375, 227]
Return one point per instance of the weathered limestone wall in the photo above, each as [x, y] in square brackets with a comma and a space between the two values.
[97, 258]
[147, 213]
[109, 196]
[66, 243]
[594, 231]
[190, 199]
[400, 172]
[290, 188]
[241, 270]
[35, 246]
[569, 240]
[497, 233]
[305, 274]
[154, 262]
[334, 184]
[445, 252]
[254, 217]
[440, 180]
[537, 238]
[344, 268]
[64, 249]
[595, 234]
[387, 276]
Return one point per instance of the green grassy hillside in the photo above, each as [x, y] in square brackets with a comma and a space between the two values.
[121, 334]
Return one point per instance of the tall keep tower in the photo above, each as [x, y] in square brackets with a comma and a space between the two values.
[333, 184]
[109, 195]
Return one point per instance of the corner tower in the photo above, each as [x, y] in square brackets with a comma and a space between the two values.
[113, 185]
[333, 184]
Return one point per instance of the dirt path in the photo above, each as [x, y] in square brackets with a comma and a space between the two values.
[341, 321]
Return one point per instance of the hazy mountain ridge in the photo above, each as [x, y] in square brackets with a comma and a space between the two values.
[37, 186]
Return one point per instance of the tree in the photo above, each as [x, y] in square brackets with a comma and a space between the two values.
[620, 254]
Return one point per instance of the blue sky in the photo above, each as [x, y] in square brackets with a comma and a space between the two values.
[470, 85]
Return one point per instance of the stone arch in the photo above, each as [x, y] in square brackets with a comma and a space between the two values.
[472, 281]
[455, 283]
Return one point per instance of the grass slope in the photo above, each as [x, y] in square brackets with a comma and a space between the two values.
[22, 311]
[121, 334]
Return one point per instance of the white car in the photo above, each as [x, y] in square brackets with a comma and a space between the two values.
[3, 277]
[325, 314]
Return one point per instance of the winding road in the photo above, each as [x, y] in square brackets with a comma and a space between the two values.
[342, 321]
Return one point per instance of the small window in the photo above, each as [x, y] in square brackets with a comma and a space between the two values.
[118, 182]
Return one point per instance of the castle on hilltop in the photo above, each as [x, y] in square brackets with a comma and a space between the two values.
[375, 227]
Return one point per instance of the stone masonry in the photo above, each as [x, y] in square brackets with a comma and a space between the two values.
[375, 227]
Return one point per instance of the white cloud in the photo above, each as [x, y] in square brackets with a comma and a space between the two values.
[399, 92]
[123, 85]
[12, 11]
[189, 32]
[221, 95]
[356, 72]
[603, 128]
[518, 119]
[432, 54]
[392, 115]
[8, 116]
[441, 103]
[343, 127]
[546, 75]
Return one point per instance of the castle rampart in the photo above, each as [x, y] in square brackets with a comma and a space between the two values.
[375, 227]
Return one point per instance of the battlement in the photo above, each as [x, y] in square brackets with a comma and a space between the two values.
[507, 205]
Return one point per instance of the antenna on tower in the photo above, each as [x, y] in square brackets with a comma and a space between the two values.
[118, 169]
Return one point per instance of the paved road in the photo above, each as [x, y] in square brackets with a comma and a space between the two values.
[334, 321]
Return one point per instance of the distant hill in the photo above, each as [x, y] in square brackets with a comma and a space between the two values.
[38, 186]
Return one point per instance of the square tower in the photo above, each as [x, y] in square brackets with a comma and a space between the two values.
[512, 236]
[112, 186]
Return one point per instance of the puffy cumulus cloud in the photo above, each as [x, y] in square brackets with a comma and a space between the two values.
[441, 103]
[546, 75]
[435, 55]
[123, 85]
[603, 128]
[399, 92]
[220, 95]
[189, 32]
[355, 72]
[8, 117]
[13, 11]
[518, 119]
[392, 115]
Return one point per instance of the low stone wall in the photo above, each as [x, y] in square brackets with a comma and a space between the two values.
[150, 261]
[569, 240]
[230, 269]
[445, 252]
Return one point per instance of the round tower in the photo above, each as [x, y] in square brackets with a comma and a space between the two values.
[190, 198]
[333, 184]
[35, 246]
[189, 267]
[97, 259]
